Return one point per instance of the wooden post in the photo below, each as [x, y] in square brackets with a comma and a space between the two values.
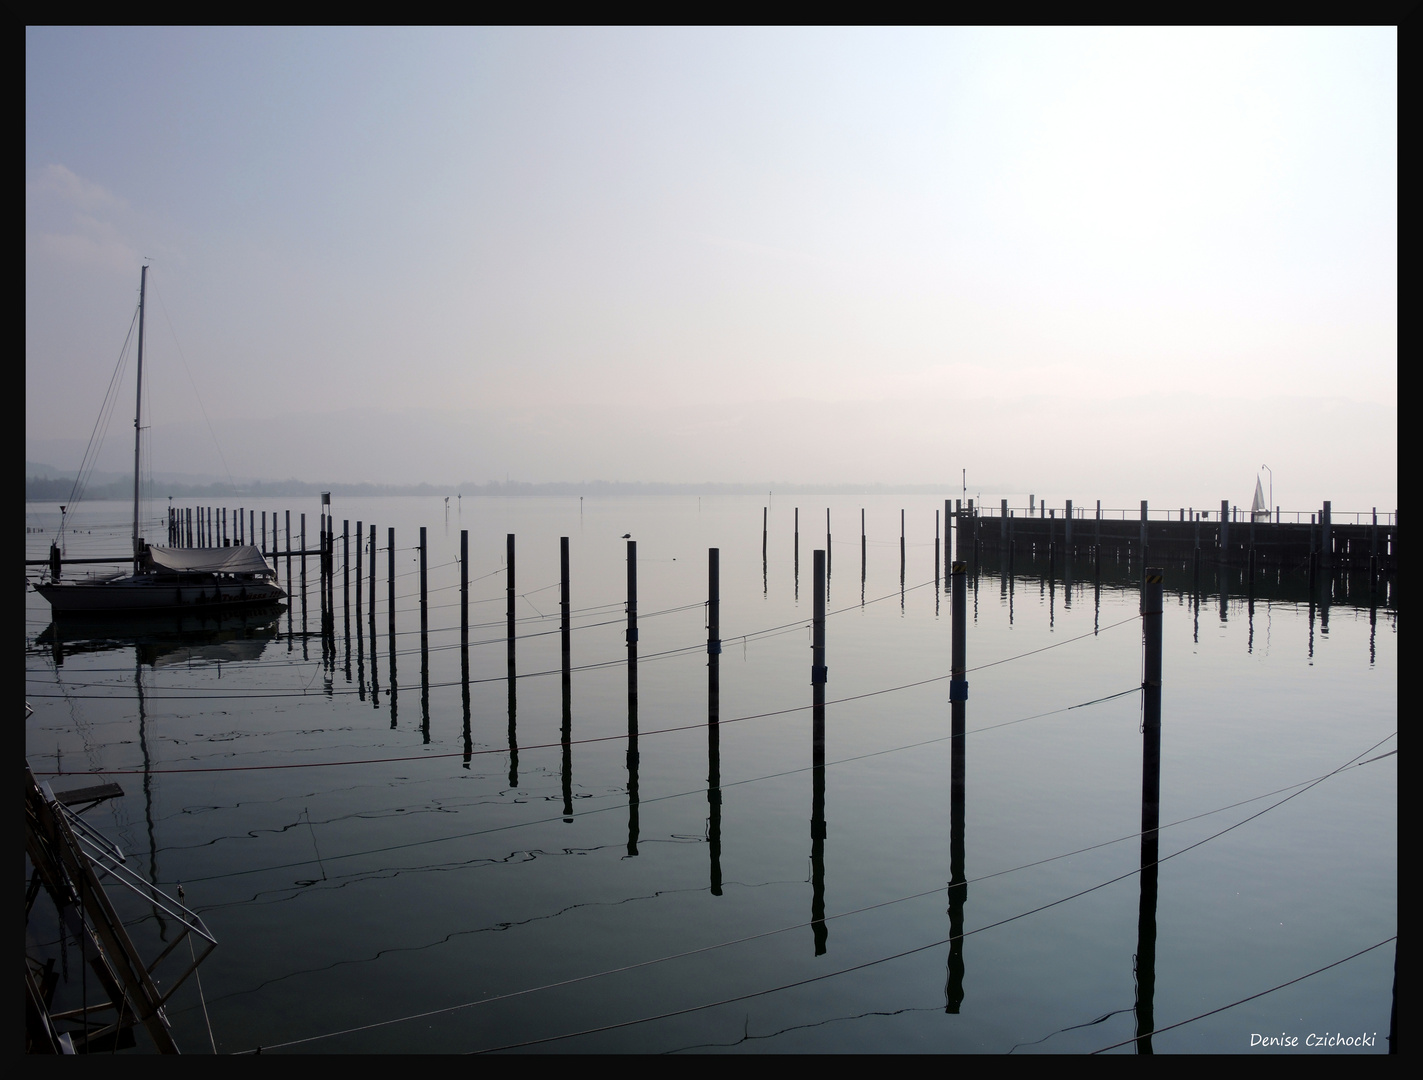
[632, 602]
[958, 683]
[303, 561]
[1374, 552]
[565, 631]
[817, 648]
[1002, 522]
[509, 586]
[1326, 539]
[948, 541]
[264, 532]
[464, 586]
[1151, 610]
[714, 609]
[1067, 530]
[424, 593]
[390, 619]
[346, 571]
[827, 544]
[373, 590]
[936, 551]
[1196, 552]
[1313, 558]
[360, 534]
[862, 545]
[797, 549]
[901, 549]
[1250, 535]
[1224, 530]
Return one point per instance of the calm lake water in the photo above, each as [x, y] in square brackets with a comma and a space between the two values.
[401, 881]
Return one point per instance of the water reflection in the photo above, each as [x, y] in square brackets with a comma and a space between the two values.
[818, 930]
[167, 640]
[714, 716]
[632, 754]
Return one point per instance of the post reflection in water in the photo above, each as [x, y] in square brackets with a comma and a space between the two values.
[958, 698]
[360, 636]
[1151, 612]
[375, 644]
[513, 693]
[714, 716]
[632, 756]
[958, 883]
[390, 604]
[567, 732]
[817, 797]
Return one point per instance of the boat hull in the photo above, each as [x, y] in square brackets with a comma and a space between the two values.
[129, 597]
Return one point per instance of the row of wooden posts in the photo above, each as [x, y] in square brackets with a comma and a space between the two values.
[1195, 535]
[1151, 609]
[968, 531]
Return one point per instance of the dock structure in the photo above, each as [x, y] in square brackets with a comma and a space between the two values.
[78, 868]
[1224, 536]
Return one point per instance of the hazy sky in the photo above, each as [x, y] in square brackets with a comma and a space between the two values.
[1090, 263]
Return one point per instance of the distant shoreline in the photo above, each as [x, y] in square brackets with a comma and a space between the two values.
[52, 489]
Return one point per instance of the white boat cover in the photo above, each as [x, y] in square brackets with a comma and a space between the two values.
[1258, 510]
[246, 559]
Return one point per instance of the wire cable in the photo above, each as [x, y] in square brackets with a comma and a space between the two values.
[1252, 997]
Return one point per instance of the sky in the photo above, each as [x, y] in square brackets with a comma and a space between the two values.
[1086, 263]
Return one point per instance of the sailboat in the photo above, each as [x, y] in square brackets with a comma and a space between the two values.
[166, 579]
[1259, 509]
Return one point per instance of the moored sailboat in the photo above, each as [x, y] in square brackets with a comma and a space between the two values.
[163, 578]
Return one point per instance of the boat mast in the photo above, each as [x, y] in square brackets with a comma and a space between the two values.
[137, 411]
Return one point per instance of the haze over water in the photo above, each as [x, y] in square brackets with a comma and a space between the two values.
[1083, 263]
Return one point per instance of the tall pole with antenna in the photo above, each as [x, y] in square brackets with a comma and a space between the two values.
[137, 415]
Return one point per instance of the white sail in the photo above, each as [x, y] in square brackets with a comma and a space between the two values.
[1258, 510]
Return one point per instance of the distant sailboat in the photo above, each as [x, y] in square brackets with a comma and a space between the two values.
[166, 579]
[1259, 509]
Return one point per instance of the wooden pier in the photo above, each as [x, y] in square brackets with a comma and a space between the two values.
[1182, 536]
